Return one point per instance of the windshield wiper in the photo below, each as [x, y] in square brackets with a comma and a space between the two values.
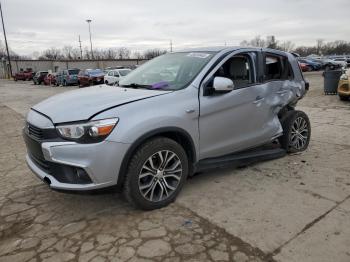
[134, 85]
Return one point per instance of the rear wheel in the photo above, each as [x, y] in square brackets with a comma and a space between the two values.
[296, 131]
[106, 82]
[156, 174]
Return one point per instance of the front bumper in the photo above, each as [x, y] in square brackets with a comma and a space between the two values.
[100, 161]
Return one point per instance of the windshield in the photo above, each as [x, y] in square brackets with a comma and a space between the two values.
[73, 71]
[172, 71]
[124, 72]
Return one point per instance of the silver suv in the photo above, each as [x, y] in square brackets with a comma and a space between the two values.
[176, 115]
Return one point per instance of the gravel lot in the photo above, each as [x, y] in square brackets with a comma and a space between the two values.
[296, 208]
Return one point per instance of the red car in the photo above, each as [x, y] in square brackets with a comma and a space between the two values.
[90, 77]
[24, 75]
[50, 79]
[304, 67]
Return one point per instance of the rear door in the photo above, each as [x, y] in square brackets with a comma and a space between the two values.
[239, 119]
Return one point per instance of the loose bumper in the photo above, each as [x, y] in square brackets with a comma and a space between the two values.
[100, 161]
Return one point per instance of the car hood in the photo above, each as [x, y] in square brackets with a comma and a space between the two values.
[84, 103]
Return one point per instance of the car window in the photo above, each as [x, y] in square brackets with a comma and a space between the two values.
[277, 68]
[124, 72]
[73, 71]
[116, 74]
[239, 69]
[110, 73]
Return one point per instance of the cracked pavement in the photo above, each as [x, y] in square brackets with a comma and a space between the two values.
[295, 208]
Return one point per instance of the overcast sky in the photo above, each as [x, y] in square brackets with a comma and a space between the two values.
[141, 24]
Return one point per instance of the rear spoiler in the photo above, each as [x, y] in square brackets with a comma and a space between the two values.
[295, 54]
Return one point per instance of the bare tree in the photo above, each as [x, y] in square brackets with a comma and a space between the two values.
[271, 42]
[137, 55]
[286, 46]
[152, 53]
[319, 46]
[51, 54]
[123, 53]
[258, 42]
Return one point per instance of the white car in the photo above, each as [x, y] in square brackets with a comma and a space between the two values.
[115, 75]
[341, 61]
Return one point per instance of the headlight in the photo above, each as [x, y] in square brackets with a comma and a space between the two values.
[93, 131]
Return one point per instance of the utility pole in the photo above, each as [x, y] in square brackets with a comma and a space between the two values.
[171, 46]
[89, 21]
[7, 48]
[81, 51]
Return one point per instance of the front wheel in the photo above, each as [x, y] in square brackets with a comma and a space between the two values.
[156, 174]
[296, 132]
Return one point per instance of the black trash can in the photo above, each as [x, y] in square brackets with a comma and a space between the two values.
[331, 80]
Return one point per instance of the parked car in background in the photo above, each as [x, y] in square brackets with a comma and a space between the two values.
[50, 79]
[68, 77]
[39, 77]
[89, 77]
[58, 78]
[148, 135]
[342, 61]
[304, 67]
[312, 65]
[24, 75]
[113, 76]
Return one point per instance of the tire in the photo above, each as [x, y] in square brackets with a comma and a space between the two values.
[343, 98]
[154, 196]
[106, 82]
[15, 79]
[309, 69]
[64, 83]
[295, 121]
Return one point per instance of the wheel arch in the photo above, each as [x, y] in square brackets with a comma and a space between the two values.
[177, 134]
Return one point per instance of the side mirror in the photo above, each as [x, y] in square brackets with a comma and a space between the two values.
[223, 84]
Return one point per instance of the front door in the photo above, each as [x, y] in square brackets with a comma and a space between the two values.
[240, 119]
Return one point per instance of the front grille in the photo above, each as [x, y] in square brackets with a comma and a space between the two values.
[35, 132]
[41, 134]
[42, 164]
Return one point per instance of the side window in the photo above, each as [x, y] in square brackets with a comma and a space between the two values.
[239, 69]
[110, 73]
[277, 68]
[116, 74]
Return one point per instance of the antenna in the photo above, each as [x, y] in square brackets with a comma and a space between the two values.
[81, 51]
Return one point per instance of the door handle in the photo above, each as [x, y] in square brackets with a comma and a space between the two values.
[258, 100]
[189, 111]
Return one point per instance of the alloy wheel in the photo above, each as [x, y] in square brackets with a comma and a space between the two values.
[160, 176]
[300, 133]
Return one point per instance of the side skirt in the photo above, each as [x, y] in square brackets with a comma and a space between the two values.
[243, 158]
